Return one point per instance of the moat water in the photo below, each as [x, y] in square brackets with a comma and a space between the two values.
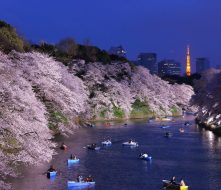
[194, 155]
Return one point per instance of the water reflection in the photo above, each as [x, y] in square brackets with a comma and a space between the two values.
[194, 155]
[80, 188]
[210, 140]
[212, 143]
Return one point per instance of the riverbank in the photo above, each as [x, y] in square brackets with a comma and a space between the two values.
[207, 100]
[146, 117]
[216, 131]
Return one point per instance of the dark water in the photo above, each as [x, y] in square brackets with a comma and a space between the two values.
[194, 156]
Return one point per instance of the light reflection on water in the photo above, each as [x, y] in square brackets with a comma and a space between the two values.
[212, 143]
[193, 155]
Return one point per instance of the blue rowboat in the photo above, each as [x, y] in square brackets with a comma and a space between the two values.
[51, 174]
[165, 127]
[73, 161]
[89, 147]
[82, 184]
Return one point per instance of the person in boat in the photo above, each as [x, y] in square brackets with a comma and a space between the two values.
[173, 180]
[186, 123]
[51, 169]
[94, 145]
[130, 141]
[63, 146]
[89, 179]
[73, 157]
[182, 183]
[168, 134]
[79, 178]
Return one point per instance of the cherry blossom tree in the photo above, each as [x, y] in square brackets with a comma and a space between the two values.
[40, 96]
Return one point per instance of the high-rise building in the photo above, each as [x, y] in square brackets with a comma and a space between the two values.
[169, 67]
[188, 62]
[148, 60]
[202, 64]
[119, 51]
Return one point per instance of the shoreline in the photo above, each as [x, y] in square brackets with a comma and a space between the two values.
[132, 118]
[216, 131]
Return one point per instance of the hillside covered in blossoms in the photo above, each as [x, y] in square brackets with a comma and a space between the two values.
[41, 97]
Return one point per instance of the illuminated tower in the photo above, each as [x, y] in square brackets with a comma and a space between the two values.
[188, 63]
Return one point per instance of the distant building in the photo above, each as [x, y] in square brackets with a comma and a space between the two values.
[202, 64]
[119, 51]
[169, 67]
[148, 60]
[188, 62]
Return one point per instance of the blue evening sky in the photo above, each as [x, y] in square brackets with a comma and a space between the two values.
[161, 26]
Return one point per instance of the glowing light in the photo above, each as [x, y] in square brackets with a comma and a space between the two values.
[188, 62]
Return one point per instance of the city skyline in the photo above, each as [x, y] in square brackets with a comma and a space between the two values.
[154, 26]
[188, 68]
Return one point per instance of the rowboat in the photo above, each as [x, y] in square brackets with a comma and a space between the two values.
[106, 143]
[168, 134]
[150, 120]
[187, 123]
[168, 185]
[82, 184]
[181, 130]
[145, 158]
[90, 125]
[51, 174]
[63, 147]
[165, 127]
[165, 119]
[73, 161]
[90, 147]
[132, 143]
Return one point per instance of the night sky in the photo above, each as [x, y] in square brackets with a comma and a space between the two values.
[161, 26]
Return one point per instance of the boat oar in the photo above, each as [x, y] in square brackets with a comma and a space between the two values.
[44, 173]
[167, 185]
